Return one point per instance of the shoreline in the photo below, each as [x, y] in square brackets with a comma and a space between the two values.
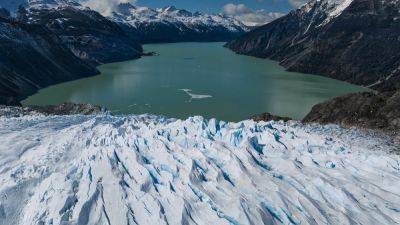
[76, 109]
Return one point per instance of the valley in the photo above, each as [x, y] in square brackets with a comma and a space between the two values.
[221, 85]
[113, 113]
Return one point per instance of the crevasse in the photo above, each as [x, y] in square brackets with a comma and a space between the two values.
[152, 170]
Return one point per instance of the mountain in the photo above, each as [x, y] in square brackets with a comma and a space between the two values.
[53, 41]
[62, 40]
[32, 57]
[170, 24]
[102, 169]
[89, 35]
[350, 40]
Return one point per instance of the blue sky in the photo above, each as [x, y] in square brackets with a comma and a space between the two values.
[215, 6]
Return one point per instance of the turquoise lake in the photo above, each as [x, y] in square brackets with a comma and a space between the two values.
[206, 79]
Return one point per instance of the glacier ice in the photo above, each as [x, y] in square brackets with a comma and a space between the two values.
[152, 170]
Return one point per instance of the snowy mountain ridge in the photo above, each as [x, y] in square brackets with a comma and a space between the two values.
[326, 10]
[51, 4]
[152, 170]
[134, 15]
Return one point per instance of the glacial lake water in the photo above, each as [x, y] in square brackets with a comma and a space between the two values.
[187, 79]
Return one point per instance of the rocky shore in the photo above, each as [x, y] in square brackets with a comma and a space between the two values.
[62, 109]
[375, 112]
[379, 111]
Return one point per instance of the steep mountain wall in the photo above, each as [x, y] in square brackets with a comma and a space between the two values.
[354, 41]
[32, 58]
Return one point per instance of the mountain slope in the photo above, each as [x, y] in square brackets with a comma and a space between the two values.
[88, 34]
[150, 170]
[366, 110]
[354, 41]
[54, 41]
[32, 58]
[170, 24]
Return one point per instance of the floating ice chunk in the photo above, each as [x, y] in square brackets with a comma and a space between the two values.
[194, 96]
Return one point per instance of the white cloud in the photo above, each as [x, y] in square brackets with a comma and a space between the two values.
[105, 7]
[249, 16]
[297, 3]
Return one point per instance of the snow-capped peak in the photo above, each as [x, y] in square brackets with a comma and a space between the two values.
[48, 4]
[135, 15]
[329, 9]
[169, 9]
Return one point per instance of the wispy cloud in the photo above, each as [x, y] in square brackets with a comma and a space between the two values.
[250, 16]
[105, 7]
[297, 3]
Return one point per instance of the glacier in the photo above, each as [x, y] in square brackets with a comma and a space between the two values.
[144, 169]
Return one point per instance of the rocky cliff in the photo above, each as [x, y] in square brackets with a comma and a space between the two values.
[366, 110]
[47, 44]
[32, 57]
[89, 35]
[350, 40]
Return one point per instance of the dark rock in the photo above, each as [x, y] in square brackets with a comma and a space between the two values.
[69, 109]
[45, 46]
[89, 35]
[360, 46]
[365, 110]
[171, 33]
[149, 53]
[63, 109]
[269, 117]
[32, 57]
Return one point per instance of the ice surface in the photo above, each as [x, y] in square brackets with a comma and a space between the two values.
[151, 170]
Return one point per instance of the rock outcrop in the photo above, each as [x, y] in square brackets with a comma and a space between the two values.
[63, 109]
[268, 117]
[365, 110]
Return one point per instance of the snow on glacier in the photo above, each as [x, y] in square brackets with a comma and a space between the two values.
[152, 170]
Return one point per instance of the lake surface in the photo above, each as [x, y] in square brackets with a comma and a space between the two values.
[206, 79]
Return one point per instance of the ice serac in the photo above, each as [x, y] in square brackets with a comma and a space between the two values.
[351, 40]
[170, 24]
[151, 170]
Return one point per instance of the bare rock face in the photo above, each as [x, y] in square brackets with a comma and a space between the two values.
[32, 57]
[268, 117]
[63, 109]
[89, 35]
[43, 46]
[366, 110]
[354, 41]
[69, 108]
